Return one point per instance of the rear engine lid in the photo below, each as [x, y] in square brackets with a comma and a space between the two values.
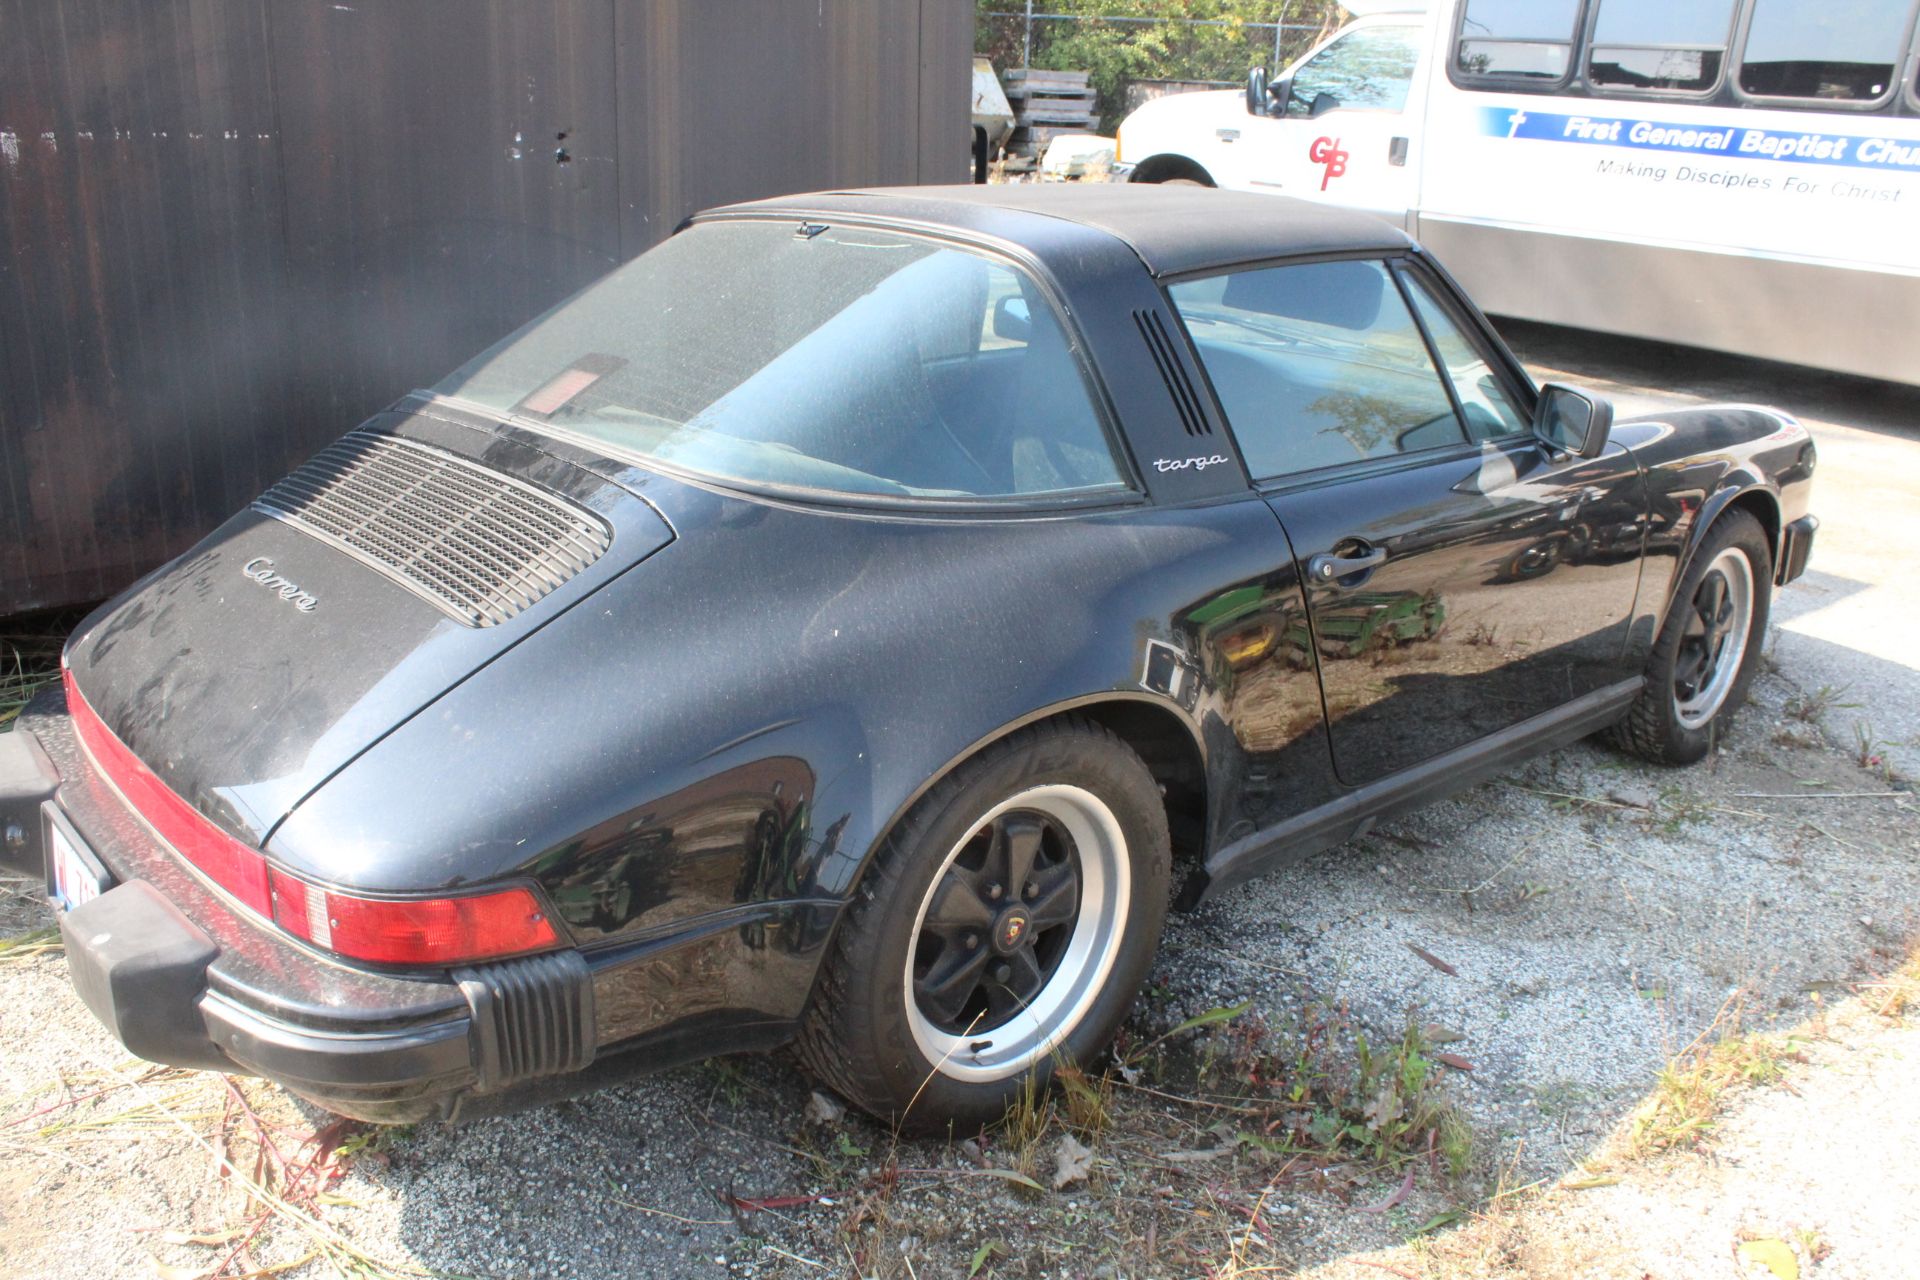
[380, 574]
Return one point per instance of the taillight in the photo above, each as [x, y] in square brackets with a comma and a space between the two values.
[414, 931]
[437, 931]
[238, 868]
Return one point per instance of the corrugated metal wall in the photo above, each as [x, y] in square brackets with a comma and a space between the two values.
[230, 229]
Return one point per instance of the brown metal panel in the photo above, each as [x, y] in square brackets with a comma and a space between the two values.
[139, 285]
[451, 173]
[231, 229]
[751, 98]
[946, 91]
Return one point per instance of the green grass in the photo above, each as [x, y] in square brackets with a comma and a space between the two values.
[29, 658]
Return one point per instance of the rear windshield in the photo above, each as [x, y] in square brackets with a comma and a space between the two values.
[841, 359]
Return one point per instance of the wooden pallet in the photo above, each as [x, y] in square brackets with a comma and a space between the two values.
[1046, 104]
[1076, 116]
[1024, 78]
[1051, 99]
[1035, 138]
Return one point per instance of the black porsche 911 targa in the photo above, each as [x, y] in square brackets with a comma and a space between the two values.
[853, 624]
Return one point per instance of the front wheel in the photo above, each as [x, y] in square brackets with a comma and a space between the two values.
[1005, 926]
[1704, 658]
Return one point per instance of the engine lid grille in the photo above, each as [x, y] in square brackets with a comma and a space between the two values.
[479, 545]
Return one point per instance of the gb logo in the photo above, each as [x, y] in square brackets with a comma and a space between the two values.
[1327, 153]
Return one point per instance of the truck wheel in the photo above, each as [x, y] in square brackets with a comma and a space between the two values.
[1005, 926]
[1704, 658]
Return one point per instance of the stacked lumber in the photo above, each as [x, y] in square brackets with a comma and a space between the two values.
[1047, 104]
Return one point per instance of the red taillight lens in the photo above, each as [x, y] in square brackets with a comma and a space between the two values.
[437, 931]
[238, 868]
[416, 931]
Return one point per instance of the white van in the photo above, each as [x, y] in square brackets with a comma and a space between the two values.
[1738, 174]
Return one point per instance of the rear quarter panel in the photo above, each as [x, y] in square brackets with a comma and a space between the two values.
[740, 720]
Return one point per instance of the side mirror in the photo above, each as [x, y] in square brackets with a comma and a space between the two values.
[1012, 320]
[1570, 421]
[1266, 97]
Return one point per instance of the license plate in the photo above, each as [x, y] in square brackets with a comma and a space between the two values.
[74, 875]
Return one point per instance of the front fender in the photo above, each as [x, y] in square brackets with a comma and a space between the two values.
[1700, 462]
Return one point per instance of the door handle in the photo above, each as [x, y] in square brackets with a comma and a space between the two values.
[1331, 568]
[1397, 151]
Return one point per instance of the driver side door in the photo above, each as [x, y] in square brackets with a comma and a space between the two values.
[1462, 575]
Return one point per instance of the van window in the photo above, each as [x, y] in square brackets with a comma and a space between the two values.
[1532, 39]
[1676, 45]
[1316, 365]
[1368, 69]
[1840, 50]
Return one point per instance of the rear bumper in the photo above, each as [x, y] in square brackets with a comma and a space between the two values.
[27, 780]
[183, 976]
[144, 969]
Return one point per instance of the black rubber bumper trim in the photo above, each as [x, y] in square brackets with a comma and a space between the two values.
[141, 967]
[1799, 548]
[313, 1061]
[27, 780]
[531, 1017]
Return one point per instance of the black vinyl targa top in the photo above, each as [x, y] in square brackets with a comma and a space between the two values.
[1173, 229]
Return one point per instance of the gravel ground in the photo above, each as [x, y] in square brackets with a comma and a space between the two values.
[1596, 915]
[1822, 1164]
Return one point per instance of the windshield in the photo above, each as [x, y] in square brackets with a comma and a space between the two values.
[831, 358]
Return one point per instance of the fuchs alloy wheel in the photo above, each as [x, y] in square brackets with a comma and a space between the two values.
[1004, 927]
[1018, 932]
[1703, 660]
[1713, 638]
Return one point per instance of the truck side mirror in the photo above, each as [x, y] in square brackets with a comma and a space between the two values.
[1571, 421]
[1266, 97]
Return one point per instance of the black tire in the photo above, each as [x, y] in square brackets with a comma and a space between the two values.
[1658, 728]
[862, 1033]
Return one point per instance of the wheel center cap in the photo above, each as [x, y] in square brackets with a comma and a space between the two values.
[1010, 930]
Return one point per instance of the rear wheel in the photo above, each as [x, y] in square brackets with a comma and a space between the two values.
[1006, 926]
[1704, 659]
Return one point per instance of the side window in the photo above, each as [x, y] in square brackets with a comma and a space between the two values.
[1489, 410]
[1006, 405]
[1316, 365]
[1839, 51]
[1370, 69]
[1517, 39]
[1654, 45]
